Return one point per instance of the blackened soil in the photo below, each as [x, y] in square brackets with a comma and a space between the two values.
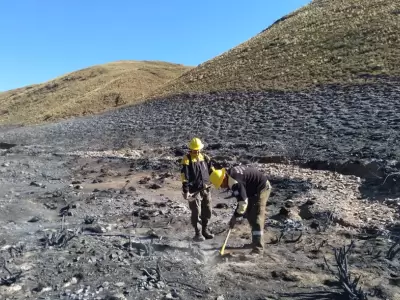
[331, 123]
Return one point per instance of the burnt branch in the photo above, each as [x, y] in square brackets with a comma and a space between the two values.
[60, 238]
[391, 174]
[392, 252]
[12, 276]
[348, 284]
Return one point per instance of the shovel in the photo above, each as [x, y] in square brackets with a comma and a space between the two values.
[222, 251]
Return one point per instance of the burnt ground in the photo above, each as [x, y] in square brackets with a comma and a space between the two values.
[81, 224]
[353, 129]
[106, 226]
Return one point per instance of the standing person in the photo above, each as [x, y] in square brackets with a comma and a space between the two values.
[252, 190]
[195, 176]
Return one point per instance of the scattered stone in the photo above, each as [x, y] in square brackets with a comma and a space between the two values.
[220, 298]
[314, 225]
[96, 229]
[168, 296]
[175, 293]
[76, 182]
[132, 188]
[289, 203]
[285, 275]
[118, 296]
[89, 220]
[57, 194]
[37, 184]
[34, 219]
[120, 284]
[284, 211]
[222, 206]
[155, 186]
[78, 187]
[50, 205]
[96, 190]
[310, 202]
[144, 180]
[5, 165]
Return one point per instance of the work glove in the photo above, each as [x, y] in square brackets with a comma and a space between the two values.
[185, 195]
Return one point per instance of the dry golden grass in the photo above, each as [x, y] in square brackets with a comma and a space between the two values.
[327, 41]
[86, 91]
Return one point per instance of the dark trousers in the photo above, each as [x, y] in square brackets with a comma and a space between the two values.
[256, 217]
[201, 208]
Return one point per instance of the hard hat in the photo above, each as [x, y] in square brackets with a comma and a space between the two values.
[196, 144]
[217, 176]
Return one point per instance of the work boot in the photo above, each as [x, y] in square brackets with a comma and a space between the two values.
[256, 252]
[206, 233]
[258, 246]
[198, 237]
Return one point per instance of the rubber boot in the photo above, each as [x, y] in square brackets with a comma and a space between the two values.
[198, 237]
[258, 246]
[206, 233]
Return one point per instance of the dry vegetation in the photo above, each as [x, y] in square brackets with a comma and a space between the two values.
[86, 91]
[327, 41]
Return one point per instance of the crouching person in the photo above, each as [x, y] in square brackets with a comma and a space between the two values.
[252, 190]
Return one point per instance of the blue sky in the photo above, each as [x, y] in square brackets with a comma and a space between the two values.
[43, 39]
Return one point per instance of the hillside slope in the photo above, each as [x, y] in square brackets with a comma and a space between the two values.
[86, 91]
[327, 41]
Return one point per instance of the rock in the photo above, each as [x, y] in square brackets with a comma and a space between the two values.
[96, 190]
[220, 298]
[5, 165]
[96, 229]
[74, 280]
[78, 187]
[118, 296]
[57, 194]
[132, 188]
[144, 180]
[155, 186]
[289, 203]
[168, 296]
[174, 293]
[314, 225]
[120, 284]
[50, 205]
[284, 211]
[34, 219]
[76, 182]
[310, 202]
[37, 184]
[285, 275]
[222, 206]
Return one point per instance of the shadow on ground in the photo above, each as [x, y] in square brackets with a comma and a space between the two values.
[319, 295]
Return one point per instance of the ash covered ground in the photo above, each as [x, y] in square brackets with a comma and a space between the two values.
[91, 207]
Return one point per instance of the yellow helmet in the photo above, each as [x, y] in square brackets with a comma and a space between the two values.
[196, 144]
[217, 176]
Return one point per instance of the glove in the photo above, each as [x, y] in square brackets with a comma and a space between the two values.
[232, 222]
[185, 195]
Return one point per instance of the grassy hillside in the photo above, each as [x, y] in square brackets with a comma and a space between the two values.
[327, 41]
[86, 91]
